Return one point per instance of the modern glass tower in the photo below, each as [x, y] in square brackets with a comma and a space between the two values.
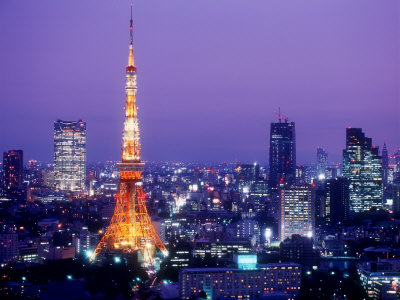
[282, 154]
[322, 161]
[363, 167]
[385, 164]
[337, 200]
[70, 155]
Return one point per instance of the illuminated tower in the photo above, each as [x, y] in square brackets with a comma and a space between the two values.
[130, 228]
[70, 155]
[362, 165]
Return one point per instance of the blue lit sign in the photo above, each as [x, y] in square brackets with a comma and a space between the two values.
[247, 262]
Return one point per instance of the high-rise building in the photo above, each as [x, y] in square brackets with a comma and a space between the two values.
[385, 164]
[396, 198]
[13, 170]
[397, 160]
[297, 211]
[70, 155]
[130, 228]
[322, 162]
[337, 200]
[363, 167]
[282, 154]
[396, 174]
[33, 172]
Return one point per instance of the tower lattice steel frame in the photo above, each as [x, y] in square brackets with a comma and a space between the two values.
[130, 228]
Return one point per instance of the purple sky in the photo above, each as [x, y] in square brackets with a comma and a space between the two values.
[211, 74]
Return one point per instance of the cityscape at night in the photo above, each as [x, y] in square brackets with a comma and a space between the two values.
[171, 149]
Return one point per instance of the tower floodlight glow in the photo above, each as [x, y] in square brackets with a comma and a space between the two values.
[130, 228]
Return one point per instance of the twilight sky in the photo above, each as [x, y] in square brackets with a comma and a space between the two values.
[211, 74]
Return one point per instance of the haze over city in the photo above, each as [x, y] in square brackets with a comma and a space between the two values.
[211, 75]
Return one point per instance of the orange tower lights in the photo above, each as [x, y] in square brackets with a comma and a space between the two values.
[130, 228]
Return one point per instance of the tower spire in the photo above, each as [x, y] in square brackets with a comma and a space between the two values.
[131, 61]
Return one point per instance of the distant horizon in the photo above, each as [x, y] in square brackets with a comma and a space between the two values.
[207, 91]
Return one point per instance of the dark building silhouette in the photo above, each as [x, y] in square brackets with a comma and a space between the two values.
[282, 154]
[298, 249]
[396, 198]
[13, 171]
[322, 161]
[385, 164]
[362, 165]
[337, 200]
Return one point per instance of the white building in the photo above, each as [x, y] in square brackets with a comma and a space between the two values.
[70, 155]
[296, 211]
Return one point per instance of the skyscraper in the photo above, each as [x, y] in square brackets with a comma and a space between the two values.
[337, 200]
[322, 162]
[297, 211]
[396, 198]
[282, 154]
[70, 155]
[13, 170]
[385, 165]
[33, 172]
[396, 175]
[362, 166]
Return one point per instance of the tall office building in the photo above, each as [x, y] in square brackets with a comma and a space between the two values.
[322, 162]
[70, 155]
[297, 211]
[282, 154]
[397, 160]
[33, 172]
[13, 170]
[396, 198]
[337, 200]
[385, 164]
[363, 167]
[396, 174]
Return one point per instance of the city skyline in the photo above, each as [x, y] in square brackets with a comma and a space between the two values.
[203, 93]
[197, 213]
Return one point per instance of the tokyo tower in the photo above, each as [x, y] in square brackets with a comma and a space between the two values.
[130, 228]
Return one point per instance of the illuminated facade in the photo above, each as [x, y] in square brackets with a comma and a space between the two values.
[220, 249]
[282, 154]
[296, 211]
[70, 155]
[363, 167]
[130, 228]
[247, 281]
[322, 161]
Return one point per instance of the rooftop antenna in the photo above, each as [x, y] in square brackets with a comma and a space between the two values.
[281, 117]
